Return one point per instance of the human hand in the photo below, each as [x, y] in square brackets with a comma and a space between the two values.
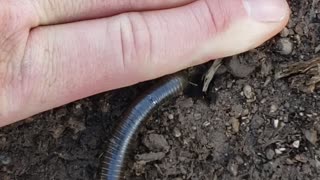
[53, 52]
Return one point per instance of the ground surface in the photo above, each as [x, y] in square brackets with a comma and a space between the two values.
[248, 126]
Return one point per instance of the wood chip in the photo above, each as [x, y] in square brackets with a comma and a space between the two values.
[307, 71]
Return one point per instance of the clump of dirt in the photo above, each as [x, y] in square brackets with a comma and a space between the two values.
[249, 125]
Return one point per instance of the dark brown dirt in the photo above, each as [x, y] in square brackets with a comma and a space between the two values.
[248, 126]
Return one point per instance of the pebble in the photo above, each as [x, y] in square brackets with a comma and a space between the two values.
[206, 124]
[177, 132]
[149, 157]
[285, 32]
[187, 103]
[276, 123]
[197, 116]
[236, 110]
[5, 160]
[76, 125]
[273, 108]
[264, 100]
[238, 69]
[280, 150]
[311, 136]
[156, 143]
[257, 121]
[58, 131]
[298, 39]
[245, 112]
[285, 46]
[239, 159]
[248, 92]
[289, 161]
[270, 154]
[301, 158]
[235, 124]
[287, 105]
[233, 168]
[266, 68]
[170, 116]
[296, 144]
[268, 80]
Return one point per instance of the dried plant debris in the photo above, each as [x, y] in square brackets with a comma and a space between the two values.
[210, 74]
[303, 75]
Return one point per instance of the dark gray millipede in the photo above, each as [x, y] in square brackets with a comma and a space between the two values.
[114, 156]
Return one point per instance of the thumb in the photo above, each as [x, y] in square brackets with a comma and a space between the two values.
[136, 47]
[211, 29]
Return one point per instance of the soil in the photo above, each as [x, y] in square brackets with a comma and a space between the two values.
[249, 125]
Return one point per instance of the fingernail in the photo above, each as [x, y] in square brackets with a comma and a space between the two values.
[266, 10]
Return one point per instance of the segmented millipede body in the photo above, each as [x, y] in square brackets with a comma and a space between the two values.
[114, 157]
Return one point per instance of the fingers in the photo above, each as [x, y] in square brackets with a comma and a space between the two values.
[62, 11]
[67, 62]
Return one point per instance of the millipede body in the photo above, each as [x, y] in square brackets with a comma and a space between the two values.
[114, 156]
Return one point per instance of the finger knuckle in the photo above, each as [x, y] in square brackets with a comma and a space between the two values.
[135, 39]
[219, 13]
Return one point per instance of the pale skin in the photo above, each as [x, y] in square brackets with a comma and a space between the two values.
[53, 52]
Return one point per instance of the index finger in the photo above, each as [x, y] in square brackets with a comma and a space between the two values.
[64, 11]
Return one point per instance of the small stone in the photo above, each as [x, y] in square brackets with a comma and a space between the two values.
[206, 124]
[58, 131]
[105, 107]
[233, 168]
[298, 39]
[270, 154]
[280, 150]
[285, 46]
[268, 80]
[285, 32]
[257, 121]
[245, 112]
[236, 110]
[156, 143]
[311, 136]
[239, 69]
[287, 105]
[239, 159]
[301, 158]
[248, 92]
[139, 167]
[229, 84]
[170, 116]
[276, 123]
[5, 159]
[177, 132]
[197, 116]
[149, 157]
[187, 103]
[273, 108]
[235, 124]
[289, 161]
[296, 144]
[76, 126]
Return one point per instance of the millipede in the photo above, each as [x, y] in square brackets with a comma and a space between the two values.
[114, 156]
